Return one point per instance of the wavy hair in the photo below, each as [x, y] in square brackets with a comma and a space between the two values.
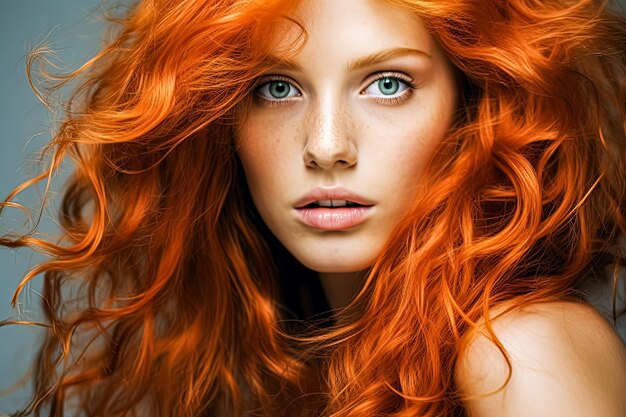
[176, 307]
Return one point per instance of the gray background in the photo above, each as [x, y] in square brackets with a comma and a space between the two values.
[75, 28]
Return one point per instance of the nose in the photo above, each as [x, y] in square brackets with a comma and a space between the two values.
[328, 142]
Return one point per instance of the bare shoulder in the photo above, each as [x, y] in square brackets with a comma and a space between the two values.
[565, 358]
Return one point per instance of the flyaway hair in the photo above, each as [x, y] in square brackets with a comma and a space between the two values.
[177, 309]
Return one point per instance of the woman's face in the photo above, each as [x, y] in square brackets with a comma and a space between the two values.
[351, 119]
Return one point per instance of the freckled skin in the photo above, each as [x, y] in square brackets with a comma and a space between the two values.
[334, 134]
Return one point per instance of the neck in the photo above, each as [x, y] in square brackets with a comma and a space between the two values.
[341, 287]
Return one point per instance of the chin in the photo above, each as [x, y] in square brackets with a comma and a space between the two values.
[335, 261]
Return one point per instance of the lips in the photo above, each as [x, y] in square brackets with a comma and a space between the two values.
[333, 204]
[332, 209]
[332, 197]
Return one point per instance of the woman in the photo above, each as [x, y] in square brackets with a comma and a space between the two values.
[353, 208]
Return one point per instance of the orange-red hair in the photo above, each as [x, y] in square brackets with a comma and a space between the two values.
[179, 309]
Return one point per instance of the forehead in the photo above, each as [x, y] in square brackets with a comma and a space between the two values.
[342, 30]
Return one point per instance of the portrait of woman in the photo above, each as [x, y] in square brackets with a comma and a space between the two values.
[338, 208]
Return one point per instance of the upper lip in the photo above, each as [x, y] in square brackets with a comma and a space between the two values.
[335, 193]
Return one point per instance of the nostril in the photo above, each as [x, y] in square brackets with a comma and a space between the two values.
[330, 151]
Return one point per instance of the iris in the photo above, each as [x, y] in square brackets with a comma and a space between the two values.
[279, 89]
[388, 86]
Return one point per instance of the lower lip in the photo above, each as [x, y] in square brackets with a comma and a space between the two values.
[333, 218]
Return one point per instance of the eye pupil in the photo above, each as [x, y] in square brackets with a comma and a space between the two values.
[388, 86]
[279, 89]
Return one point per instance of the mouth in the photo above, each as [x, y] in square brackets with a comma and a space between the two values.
[333, 215]
[333, 209]
[333, 204]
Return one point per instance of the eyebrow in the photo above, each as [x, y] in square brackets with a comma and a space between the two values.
[359, 63]
[385, 55]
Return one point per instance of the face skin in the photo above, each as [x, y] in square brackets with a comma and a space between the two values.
[324, 120]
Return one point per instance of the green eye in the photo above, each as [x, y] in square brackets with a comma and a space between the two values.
[279, 89]
[274, 90]
[388, 86]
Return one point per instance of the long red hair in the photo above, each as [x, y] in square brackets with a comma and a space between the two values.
[176, 306]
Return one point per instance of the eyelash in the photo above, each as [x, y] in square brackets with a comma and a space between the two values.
[404, 95]
[271, 78]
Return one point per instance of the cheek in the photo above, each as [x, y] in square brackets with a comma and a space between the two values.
[265, 149]
[400, 144]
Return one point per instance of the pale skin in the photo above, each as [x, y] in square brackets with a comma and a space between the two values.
[327, 118]
[337, 128]
[566, 361]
